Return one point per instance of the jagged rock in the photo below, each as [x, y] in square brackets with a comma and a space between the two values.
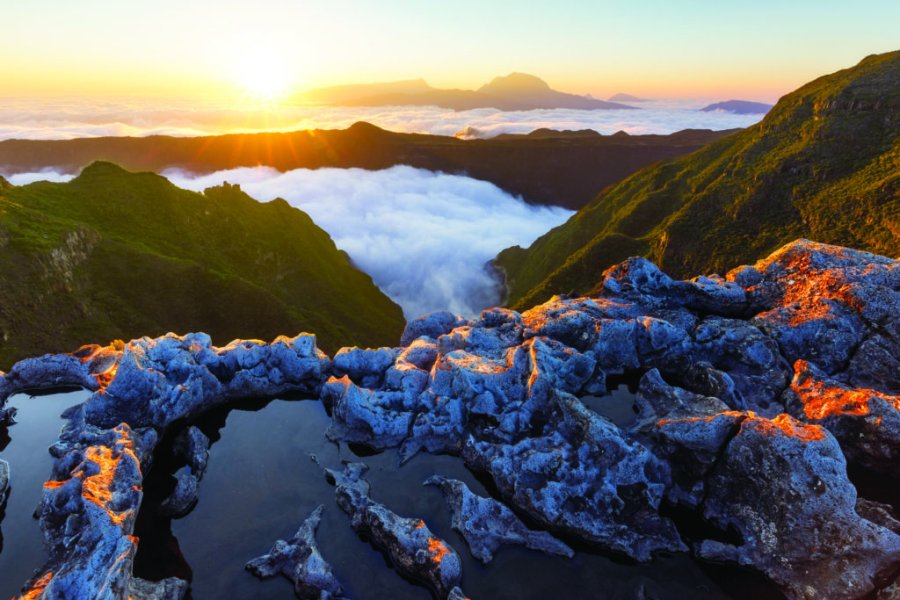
[89, 506]
[299, 560]
[87, 515]
[433, 325]
[174, 377]
[90, 367]
[8, 416]
[878, 513]
[167, 589]
[4, 484]
[193, 446]
[866, 422]
[413, 549]
[364, 366]
[501, 391]
[782, 486]
[821, 301]
[584, 478]
[185, 495]
[487, 524]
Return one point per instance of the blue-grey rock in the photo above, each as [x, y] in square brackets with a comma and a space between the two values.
[4, 484]
[487, 524]
[812, 329]
[167, 589]
[433, 325]
[185, 495]
[299, 560]
[193, 446]
[782, 486]
[413, 549]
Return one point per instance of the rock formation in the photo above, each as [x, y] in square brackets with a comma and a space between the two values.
[299, 560]
[487, 524]
[413, 549]
[757, 391]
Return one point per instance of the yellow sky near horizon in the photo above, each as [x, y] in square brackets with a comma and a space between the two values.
[231, 49]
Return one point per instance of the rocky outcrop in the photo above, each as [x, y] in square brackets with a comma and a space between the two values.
[90, 504]
[756, 392]
[299, 560]
[4, 484]
[487, 524]
[412, 548]
[167, 589]
[192, 446]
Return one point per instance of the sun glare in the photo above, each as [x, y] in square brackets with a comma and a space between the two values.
[263, 76]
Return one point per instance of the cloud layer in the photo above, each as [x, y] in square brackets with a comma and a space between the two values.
[29, 119]
[424, 237]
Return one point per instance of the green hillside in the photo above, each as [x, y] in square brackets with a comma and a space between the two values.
[824, 164]
[116, 255]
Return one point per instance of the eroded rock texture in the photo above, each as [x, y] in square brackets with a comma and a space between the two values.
[756, 392]
[299, 560]
[90, 503]
[413, 549]
[487, 524]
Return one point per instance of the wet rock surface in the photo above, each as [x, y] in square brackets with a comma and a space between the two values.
[412, 548]
[299, 560]
[757, 392]
[487, 524]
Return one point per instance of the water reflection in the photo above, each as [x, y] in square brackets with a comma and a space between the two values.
[24, 446]
[261, 484]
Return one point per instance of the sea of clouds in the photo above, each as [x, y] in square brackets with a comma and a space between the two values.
[66, 119]
[424, 237]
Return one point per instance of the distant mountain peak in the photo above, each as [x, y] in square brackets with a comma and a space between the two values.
[622, 97]
[515, 83]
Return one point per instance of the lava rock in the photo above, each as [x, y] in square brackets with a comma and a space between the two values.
[582, 477]
[193, 446]
[782, 486]
[413, 549]
[866, 422]
[167, 589]
[299, 560]
[431, 326]
[185, 495]
[487, 524]
[4, 484]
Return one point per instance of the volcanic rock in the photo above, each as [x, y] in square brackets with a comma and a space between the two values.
[299, 560]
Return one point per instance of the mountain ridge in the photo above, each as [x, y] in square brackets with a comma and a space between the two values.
[516, 91]
[112, 254]
[564, 169]
[823, 164]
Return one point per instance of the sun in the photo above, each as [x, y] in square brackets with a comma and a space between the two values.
[263, 76]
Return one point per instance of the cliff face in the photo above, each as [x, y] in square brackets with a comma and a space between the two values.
[114, 255]
[756, 393]
[823, 164]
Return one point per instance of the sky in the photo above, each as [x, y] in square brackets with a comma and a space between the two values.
[222, 48]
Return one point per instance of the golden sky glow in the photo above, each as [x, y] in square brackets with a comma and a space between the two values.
[267, 48]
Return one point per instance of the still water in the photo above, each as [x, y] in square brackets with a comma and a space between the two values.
[24, 446]
[261, 484]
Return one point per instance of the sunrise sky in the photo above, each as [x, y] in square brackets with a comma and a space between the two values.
[178, 48]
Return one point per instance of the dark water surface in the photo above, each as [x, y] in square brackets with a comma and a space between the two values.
[261, 484]
[24, 446]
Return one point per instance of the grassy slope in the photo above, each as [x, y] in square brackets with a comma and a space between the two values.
[114, 254]
[824, 164]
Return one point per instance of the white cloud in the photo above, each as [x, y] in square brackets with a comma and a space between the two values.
[424, 237]
[44, 175]
[42, 119]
